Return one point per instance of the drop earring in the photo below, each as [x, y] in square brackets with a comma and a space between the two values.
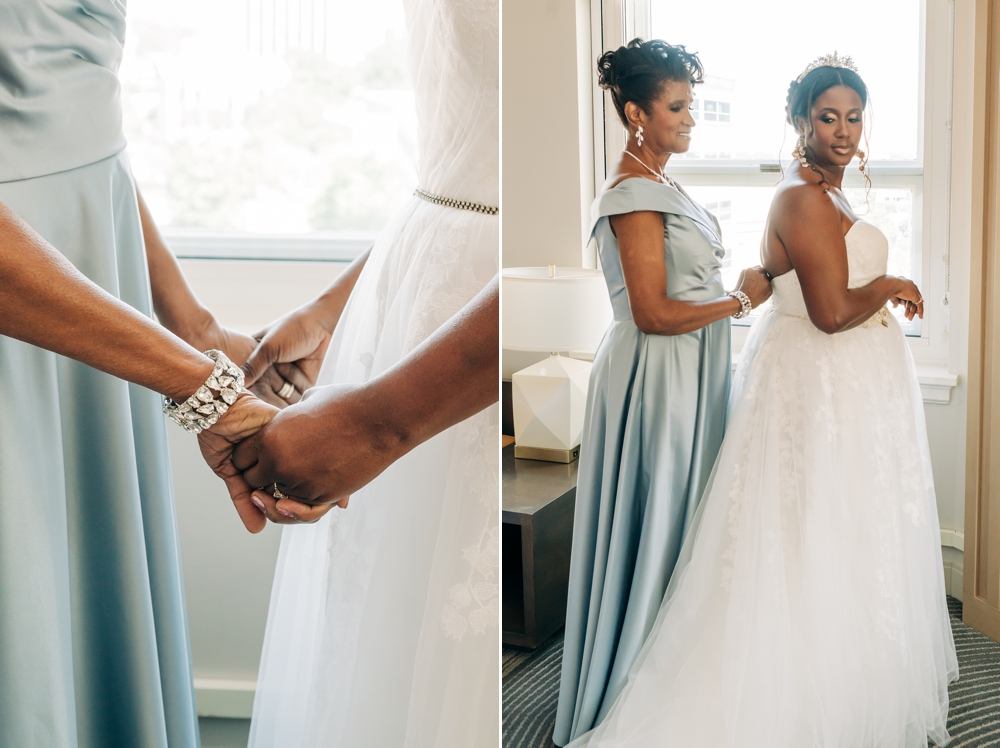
[800, 151]
[638, 136]
[862, 161]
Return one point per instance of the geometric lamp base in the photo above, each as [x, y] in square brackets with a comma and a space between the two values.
[549, 401]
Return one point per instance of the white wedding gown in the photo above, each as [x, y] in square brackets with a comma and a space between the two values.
[810, 612]
[383, 625]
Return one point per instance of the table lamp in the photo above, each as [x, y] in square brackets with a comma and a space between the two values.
[548, 310]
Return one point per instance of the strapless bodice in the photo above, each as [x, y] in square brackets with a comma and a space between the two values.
[867, 259]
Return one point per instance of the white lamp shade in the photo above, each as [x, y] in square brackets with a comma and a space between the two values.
[568, 311]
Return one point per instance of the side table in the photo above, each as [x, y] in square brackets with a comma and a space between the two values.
[538, 502]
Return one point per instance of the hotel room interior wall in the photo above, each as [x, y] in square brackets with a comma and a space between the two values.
[227, 571]
[547, 131]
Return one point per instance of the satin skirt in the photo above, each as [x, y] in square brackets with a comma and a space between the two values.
[808, 609]
[656, 411]
[93, 644]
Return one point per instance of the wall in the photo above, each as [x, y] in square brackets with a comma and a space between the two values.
[547, 153]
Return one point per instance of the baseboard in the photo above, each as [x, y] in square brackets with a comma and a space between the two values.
[224, 698]
[953, 577]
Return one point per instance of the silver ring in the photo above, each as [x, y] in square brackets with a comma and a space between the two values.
[286, 390]
[278, 494]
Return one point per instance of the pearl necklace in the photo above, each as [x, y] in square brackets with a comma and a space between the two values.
[659, 174]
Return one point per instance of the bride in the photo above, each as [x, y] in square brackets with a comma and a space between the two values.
[810, 611]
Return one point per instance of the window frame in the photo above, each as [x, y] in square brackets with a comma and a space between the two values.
[614, 22]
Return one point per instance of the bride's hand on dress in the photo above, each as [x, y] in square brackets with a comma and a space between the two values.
[243, 419]
[755, 284]
[290, 354]
[909, 295]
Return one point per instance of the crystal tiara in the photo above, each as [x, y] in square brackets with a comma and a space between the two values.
[832, 61]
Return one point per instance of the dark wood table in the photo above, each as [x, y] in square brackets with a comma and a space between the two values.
[538, 502]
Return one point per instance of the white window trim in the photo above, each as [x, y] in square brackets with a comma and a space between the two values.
[614, 22]
[332, 246]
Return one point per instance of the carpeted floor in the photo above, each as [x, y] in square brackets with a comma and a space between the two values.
[531, 688]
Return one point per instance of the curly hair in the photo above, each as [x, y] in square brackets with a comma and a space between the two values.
[638, 71]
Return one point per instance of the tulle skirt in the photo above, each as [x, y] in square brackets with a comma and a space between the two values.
[383, 624]
[810, 611]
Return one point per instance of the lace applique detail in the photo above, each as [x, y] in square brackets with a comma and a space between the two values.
[474, 601]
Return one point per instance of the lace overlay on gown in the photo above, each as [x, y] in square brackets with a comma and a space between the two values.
[383, 621]
[809, 605]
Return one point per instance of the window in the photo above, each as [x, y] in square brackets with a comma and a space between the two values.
[281, 118]
[741, 136]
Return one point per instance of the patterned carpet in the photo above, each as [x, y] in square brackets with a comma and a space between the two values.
[531, 688]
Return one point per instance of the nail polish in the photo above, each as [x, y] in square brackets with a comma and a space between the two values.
[287, 513]
[259, 504]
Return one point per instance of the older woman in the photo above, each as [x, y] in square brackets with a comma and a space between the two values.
[657, 401]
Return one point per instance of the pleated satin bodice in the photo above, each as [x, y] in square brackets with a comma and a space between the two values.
[60, 104]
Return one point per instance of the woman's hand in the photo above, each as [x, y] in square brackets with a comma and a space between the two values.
[212, 336]
[908, 294]
[323, 449]
[291, 352]
[288, 511]
[754, 283]
[243, 419]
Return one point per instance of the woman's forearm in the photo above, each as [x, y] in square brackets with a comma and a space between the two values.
[330, 304]
[672, 317]
[453, 375]
[853, 307]
[47, 302]
[176, 306]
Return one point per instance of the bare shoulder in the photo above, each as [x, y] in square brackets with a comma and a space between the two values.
[800, 199]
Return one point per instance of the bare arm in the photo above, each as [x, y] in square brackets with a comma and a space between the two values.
[296, 344]
[46, 301]
[339, 438]
[176, 306]
[808, 224]
[640, 246]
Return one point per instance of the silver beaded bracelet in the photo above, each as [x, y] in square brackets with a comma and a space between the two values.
[745, 306]
[204, 408]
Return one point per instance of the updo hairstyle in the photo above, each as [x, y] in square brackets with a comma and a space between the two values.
[638, 71]
[802, 96]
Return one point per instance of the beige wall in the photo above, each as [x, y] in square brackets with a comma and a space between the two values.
[547, 142]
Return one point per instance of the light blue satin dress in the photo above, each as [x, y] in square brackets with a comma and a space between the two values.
[654, 425]
[94, 650]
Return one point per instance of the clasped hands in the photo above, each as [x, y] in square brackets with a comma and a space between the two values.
[297, 442]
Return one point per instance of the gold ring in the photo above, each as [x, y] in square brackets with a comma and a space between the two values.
[278, 494]
[286, 390]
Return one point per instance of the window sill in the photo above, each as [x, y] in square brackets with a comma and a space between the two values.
[193, 244]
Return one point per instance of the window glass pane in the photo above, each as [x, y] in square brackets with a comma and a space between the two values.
[274, 116]
[742, 212]
[751, 58]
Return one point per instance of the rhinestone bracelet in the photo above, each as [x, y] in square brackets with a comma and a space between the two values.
[212, 400]
[745, 306]
[453, 203]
